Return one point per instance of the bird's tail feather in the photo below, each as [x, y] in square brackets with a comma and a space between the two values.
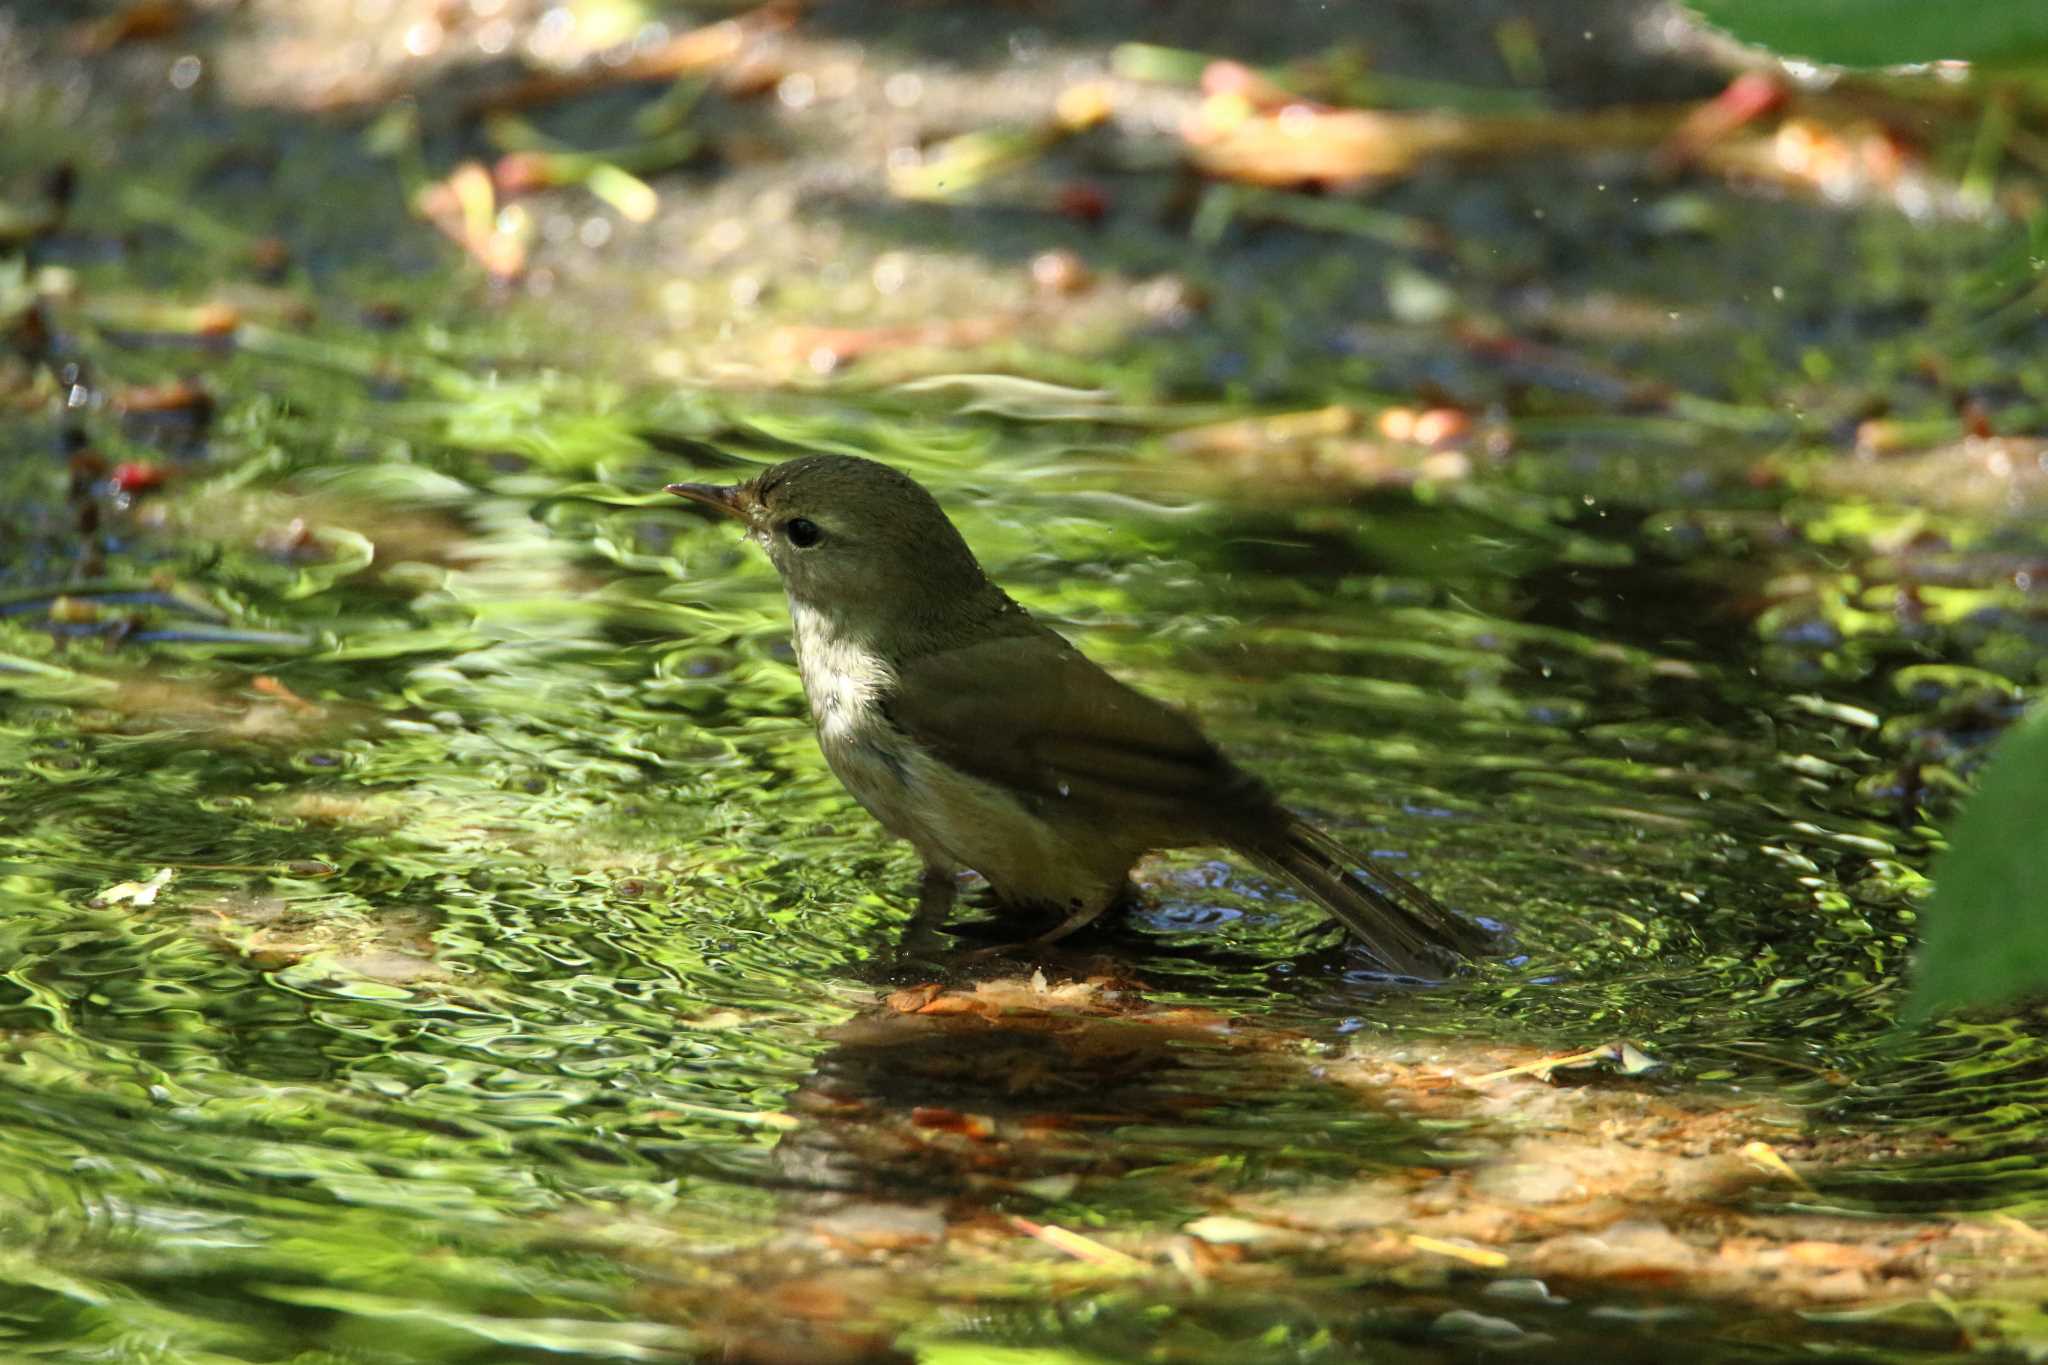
[1397, 921]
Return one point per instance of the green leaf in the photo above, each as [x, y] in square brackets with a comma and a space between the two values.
[1888, 32]
[1986, 939]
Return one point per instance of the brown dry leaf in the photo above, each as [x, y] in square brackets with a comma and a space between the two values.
[1438, 428]
[154, 316]
[1302, 144]
[819, 1299]
[218, 710]
[271, 687]
[1619, 1179]
[1747, 98]
[1328, 445]
[1079, 1247]
[465, 209]
[776, 1306]
[1226, 78]
[1308, 144]
[1060, 272]
[1846, 162]
[911, 999]
[830, 1297]
[821, 350]
[138, 22]
[980, 1127]
[700, 49]
[1880, 437]
[1034, 997]
[1249, 435]
[179, 395]
[1033, 994]
[961, 1004]
[1825, 1255]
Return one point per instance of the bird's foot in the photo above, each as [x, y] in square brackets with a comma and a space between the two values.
[925, 951]
[1077, 917]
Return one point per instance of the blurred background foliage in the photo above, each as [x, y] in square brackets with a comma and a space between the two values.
[1989, 917]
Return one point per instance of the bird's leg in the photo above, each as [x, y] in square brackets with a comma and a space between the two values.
[936, 891]
[1078, 915]
[921, 950]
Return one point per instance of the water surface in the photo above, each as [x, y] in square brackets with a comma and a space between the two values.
[522, 983]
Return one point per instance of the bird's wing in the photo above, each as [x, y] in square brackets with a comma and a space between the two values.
[1032, 713]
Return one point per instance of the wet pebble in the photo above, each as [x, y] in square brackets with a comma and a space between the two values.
[1463, 1322]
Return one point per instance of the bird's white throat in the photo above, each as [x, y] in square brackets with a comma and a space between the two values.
[845, 675]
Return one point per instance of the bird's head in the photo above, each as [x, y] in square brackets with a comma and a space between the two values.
[851, 537]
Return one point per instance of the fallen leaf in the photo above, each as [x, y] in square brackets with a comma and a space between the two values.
[824, 349]
[977, 1126]
[271, 687]
[465, 209]
[1079, 1247]
[911, 999]
[699, 49]
[1308, 144]
[138, 22]
[1748, 97]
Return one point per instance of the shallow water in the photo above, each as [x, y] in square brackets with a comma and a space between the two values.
[516, 990]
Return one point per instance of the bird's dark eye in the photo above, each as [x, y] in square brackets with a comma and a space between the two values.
[802, 532]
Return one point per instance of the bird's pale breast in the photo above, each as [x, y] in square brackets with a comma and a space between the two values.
[954, 820]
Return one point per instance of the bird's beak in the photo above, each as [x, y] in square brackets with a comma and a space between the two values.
[726, 500]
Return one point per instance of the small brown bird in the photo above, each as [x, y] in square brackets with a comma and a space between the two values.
[993, 745]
